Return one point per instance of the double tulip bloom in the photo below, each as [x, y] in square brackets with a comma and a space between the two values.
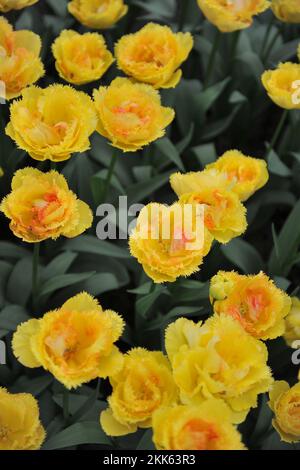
[81, 58]
[254, 301]
[52, 123]
[20, 63]
[41, 206]
[284, 401]
[292, 323]
[218, 359]
[7, 5]
[207, 426]
[20, 427]
[98, 14]
[219, 189]
[75, 342]
[143, 385]
[282, 85]
[153, 55]
[130, 115]
[232, 15]
[287, 10]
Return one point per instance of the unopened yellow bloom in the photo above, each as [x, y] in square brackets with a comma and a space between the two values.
[254, 301]
[283, 85]
[130, 114]
[285, 402]
[75, 342]
[225, 215]
[20, 426]
[245, 175]
[98, 14]
[81, 58]
[20, 63]
[41, 206]
[52, 123]
[206, 426]
[286, 10]
[154, 54]
[232, 15]
[169, 241]
[292, 323]
[144, 384]
[7, 5]
[218, 359]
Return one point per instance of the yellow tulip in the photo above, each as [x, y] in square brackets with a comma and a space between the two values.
[98, 14]
[206, 426]
[144, 384]
[292, 323]
[232, 15]
[7, 5]
[154, 54]
[81, 58]
[286, 10]
[218, 359]
[52, 123]
[41, 206]
[75, 342]
[245, 175]
[224, 214]
[20, 63]
[283, 85]
[20, 426]
[284, 401]
[169, 241]
[254, 301]
[130, 114]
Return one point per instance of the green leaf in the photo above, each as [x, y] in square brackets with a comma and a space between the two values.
[19, 277]
[64, 280]
[10, 318]
[12, 250]
[104, 282]
[139, 191]
[144, 304]
[168, 149]
[288, 242]
[5, 269]
[187, 290]
[146, 442]
[89, 244]
[59, 265]
[243, 255]
[174, 313]
[276, 166]
[206, 99]
[88, 432]
[35, 386]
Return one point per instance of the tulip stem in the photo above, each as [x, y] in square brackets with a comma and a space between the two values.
[107, 182]
[267, 35]
[66, 405]
[212, 57]
[35, 273]
[271, 45]
[182, 14]
[277, 133]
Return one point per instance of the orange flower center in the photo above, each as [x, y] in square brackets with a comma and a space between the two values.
[198, 435]
[40, 207]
